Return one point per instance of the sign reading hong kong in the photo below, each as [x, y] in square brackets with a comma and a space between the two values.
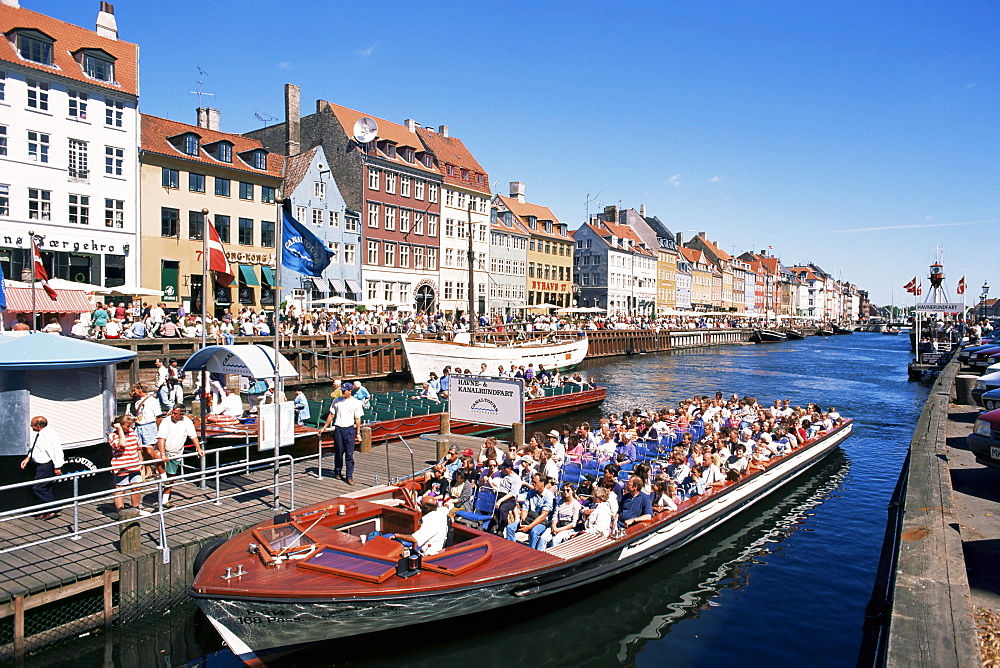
[496, 401]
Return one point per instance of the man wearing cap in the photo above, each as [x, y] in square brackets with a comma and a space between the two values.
[346, 414]
[508, 486]
[558, 449]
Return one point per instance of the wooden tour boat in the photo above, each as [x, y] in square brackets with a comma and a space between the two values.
[824, 332]
[310, 575]
[767, 336]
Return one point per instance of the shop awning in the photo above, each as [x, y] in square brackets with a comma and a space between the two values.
[267, 273]
[248, 276]
[338, 286]
[353, 286]
[67, 301]
[320, 283]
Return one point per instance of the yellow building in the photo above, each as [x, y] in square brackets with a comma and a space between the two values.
[666, 279]
[192, 173]
[701, 279]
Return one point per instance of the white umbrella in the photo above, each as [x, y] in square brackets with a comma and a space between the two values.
[130, 291]
[594, 309]
[63, 284]
[334, 300]
[546, 305]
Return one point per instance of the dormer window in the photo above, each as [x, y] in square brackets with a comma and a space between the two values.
[259, 160]
[223, 151]
[465, 175]
[388, 149]
[99, 65]
[408, 154]
[190, 145]
[35, 46]
[427, 160]
[548, 226]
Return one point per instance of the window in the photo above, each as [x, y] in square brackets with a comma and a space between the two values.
[38, 94]
[334, 219]
[170, 222]
[114, 213]
[460, 290]
[404, 256]
[465, 174]
[77, 104]
[432, 192]
[449, 290]
[317, 216]
[267, 194]
[196, 182]
[224, 152]
[3, 139]
[350, 251]
[4, 199]
[404, 221]
[418, 257]
[418, 222]
[390, 215]
[350, 222]
[113, 112]
[190, 145]
[79, 209]
[319, 189]
[38, 146]
[390, 254]
[246, 190]
[98, 68]
[222, 227]
[372, 179]
[259, 160]
[78, 160]
[418, 189]
[390, 183]
[335, 252]
[372, 252]
[300, 213]
[531, 270]
[3, 85]
[432, 225]
[34, 46]
[222, 187]
[449, 228]
[404, 185]
[432, 258]
[170, 178]
[449, 196]
[449, 259]
[196, 224]
[372, 214]
[372, 289]
[461, 201]
[461, 230]
[389, 149]
[267, 233]
[114, 161]
[245, 232]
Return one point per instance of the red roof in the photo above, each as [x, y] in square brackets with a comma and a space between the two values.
[387, 130]
[451, 150]
[524, 210]
[691, 254]
[69, 40]
[157, 131]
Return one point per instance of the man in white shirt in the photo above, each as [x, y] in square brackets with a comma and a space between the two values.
[47, 454]
[156, 315]
[170, 439]
[145, 407]
[430, 538]
[346, 414]
[230, 406]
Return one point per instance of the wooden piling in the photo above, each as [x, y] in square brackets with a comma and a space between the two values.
[366, 439]
[130, 536]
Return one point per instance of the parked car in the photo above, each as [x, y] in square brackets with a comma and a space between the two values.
[984, 441]
[990, 400]
[977, 358]
[966, 353]
[984, 384]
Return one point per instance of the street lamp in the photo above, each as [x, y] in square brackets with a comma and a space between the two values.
[982, 300]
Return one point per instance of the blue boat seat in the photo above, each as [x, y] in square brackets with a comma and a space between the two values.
[482, 510]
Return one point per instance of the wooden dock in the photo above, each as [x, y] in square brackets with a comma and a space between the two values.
[67, 587]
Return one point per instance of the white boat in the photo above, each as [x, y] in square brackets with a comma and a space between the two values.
[426, 355]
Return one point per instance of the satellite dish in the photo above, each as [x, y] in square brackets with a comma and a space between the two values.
[365, 129]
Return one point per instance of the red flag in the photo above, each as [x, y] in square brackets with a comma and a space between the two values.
[217, 261]
[40, 273]
[961, 286]
[920, 289]
[911, 287]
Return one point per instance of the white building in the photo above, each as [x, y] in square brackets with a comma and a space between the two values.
[508, 260]
[614, 268]
[69, 136]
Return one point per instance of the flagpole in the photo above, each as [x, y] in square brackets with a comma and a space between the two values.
[31, 236]
[204, 323]
[279, 389]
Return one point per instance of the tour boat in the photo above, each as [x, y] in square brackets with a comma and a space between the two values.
[427, 355]
[310, 575]
[793, 335]
[767, 336]
[837, 329]
[824, 332]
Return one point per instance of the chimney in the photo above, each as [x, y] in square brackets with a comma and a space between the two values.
[410, 124]
[323, 105]
[10, 3]
[293, 114]
[611, 214]
[516, 189]
[106, 24]
[680, 238]
[443, 130]
[642, 210]
[208, 118]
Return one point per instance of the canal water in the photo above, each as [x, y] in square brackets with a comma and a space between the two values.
[784, 583]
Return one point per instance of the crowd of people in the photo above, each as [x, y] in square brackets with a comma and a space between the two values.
[644, 463]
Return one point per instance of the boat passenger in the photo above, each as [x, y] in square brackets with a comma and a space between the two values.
[361, 393]
[509, 486]
[482, 370]
[428, 392]
[564, 520]
[678, 470]
[547, 465]
[600, 518]
[558, 448]
[461, 492]
[228, 410]
[301, 405]
[534, 513]
[661, 497]
[738, 461]
[712, 474]
[609, 480]
[445, 382]
[430, 538]
[694, 484]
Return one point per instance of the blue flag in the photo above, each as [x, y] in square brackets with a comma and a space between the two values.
[3, 291]
[301, 250]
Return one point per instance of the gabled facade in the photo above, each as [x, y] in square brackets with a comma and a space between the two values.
[701, 279]
[657, 237]
[614, 268]
[508, 263]
[194, 173]
[684, 280]
[69, 132]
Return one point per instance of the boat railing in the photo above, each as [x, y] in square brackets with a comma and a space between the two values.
[86, 519]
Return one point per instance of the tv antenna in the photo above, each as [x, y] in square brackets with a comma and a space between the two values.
[589, 200]
[265, 118]
[201, 86]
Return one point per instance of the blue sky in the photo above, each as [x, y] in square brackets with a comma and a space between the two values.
[856, 135]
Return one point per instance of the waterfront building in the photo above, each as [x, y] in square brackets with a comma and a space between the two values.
[656, 236]
[614, 268]
[465, 213]
[393, 181]
[316, 202]
[682, 298]
[818, 283]
[69, 131]
[701, 279]
[193, 173]
[550, 249]
[508, 263]
[723, 294]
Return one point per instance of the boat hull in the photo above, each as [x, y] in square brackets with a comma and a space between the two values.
[252, 627]
[767, 336]
[426, 355]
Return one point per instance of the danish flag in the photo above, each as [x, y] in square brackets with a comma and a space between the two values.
[911, 287]
[920, 289]
[40, 274]
[217, 261]
[961, 286]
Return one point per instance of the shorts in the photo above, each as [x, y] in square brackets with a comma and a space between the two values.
[146, 433]
[123, 478]
[173, 466]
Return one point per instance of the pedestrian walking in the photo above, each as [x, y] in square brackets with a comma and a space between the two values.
[346, 414]
[47, 454]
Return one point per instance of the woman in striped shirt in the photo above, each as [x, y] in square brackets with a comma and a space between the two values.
[126, 462]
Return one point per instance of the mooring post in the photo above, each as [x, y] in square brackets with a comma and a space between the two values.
[518, 428]
[445, 423]
[366, 439]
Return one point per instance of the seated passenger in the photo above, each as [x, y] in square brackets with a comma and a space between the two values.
[534, 513]
[564, 519]
[738, 461]
[600, 518]
[694, 484]
[227, 411]
[662, 498]
[430, 538]
[461, 492]
[636, 506]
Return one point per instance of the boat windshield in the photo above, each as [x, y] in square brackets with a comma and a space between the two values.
[282, 538]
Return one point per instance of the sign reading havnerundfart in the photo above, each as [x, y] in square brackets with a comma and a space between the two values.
[940, 308]
[496, 401]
